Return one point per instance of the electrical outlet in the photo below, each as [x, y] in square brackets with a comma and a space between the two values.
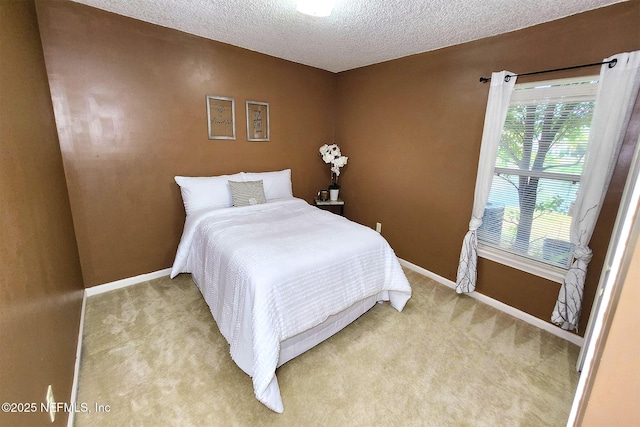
[378, 227]
[51, 403]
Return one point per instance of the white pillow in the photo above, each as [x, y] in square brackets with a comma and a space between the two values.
[277, 185]
[206, 192]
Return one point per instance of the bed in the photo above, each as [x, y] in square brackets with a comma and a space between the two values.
[279, 275]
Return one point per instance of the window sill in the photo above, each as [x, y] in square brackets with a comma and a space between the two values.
[555, 274]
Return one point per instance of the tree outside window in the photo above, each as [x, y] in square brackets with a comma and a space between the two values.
[540, 160]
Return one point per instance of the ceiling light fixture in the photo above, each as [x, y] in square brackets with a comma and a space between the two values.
[316, 7]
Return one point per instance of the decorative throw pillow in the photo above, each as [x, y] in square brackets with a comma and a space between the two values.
[247, 193]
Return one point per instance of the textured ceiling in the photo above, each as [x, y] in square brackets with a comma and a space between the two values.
[358, 32]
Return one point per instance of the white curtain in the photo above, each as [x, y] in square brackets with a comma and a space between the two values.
[497, 106]
[617, 92]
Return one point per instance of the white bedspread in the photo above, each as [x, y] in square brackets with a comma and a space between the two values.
[271, 271]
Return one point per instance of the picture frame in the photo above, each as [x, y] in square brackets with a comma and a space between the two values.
[221, 114]
[258, 126]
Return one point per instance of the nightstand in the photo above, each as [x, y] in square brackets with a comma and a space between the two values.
[330, 205]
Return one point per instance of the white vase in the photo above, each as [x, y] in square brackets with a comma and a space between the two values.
[333, 194]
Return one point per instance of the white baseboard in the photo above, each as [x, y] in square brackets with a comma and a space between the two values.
[123, 283]
[76, 369]
[569, 336]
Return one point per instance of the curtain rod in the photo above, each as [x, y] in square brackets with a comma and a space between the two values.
[611, 63]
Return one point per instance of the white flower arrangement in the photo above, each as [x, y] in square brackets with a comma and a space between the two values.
[331, 154]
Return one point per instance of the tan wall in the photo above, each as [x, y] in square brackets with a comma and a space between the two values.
[613, 399]
[612, 389]
[129, 99]
[412, 129]
[40, 280]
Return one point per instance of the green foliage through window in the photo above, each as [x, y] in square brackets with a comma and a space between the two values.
[540, 159]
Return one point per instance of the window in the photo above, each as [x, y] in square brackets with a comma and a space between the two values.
[537, 175]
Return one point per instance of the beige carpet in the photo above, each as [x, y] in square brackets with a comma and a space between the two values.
[153, 353]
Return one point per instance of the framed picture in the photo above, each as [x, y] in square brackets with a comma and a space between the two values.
[221, 114]
[257, 121]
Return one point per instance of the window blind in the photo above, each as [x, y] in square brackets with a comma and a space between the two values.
[541, 157]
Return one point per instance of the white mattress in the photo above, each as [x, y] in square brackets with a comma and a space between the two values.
[271, 272]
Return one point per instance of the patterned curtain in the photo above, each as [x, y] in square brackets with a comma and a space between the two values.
[617, 91]
[497, 106]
